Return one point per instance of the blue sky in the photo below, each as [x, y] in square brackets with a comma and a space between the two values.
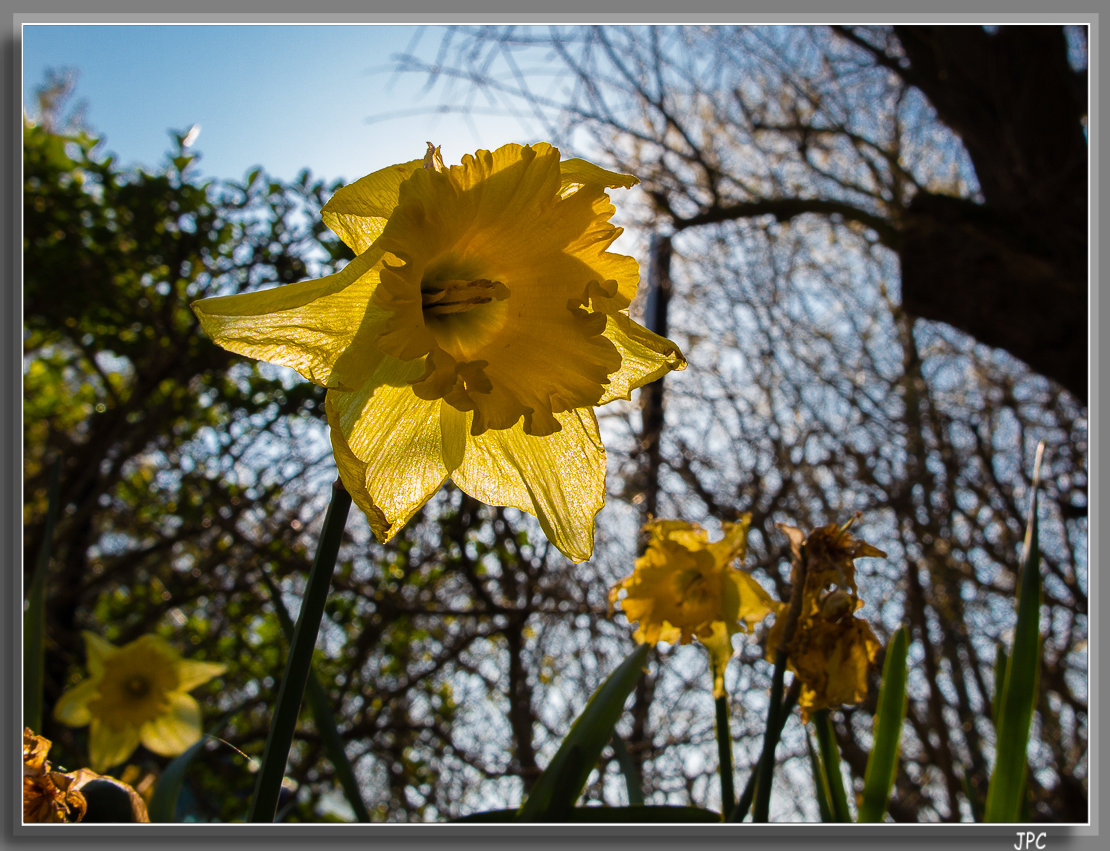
[281, 97]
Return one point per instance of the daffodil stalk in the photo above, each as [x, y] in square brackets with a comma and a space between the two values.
[776, 714]
[280, 738]
[724, 756]
[323, 716]
[745, 801]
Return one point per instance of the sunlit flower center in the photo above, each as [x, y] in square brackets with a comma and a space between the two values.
[445, 298]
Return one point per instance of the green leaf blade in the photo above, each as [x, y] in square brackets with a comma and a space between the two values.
[1015, 703]
[882, 764]
[553, 796]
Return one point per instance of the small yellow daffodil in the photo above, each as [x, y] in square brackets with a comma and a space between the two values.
[135, 694]
[831, 650]
[684, 587]
[481, 321]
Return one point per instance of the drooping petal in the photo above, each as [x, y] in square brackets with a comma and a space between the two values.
[717, 639]
[72, 707]
[175, 730]
[388, 445]
[357, 213]
[324, 329]
[558, 478]
[110, 745]
[645, 357]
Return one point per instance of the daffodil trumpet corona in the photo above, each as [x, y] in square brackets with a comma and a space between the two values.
[480, 322]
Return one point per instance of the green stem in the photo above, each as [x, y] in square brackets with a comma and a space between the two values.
[724, 757]
[284, 724]
[323, 717]
[746, 796]
[775, 719]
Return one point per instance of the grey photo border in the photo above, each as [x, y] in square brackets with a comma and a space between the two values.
[957, 836]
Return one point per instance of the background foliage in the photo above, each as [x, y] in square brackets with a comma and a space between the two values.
[779, 168]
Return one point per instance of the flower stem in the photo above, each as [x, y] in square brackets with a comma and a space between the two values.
[268, 787]
[724, 757]
[746, 796]
[776, 716]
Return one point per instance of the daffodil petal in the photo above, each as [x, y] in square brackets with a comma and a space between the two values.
[734, 541]
[558, 478]
[109, 745]
[645, 356]
[574, 172]
[718, 641]
[357, 213]
[96, 651]
[753, 602]
[324, 328]
[175, 730]
[191, 674]
[72, 707]
[388, 445]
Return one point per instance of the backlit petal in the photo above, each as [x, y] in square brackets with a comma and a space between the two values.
[645, 357]
[357, 213]
[558, 478]
[191, 674]
[575, 172]
[388, 446]
[110, 745]
[72, 707]
[174, 731]
[324, 329]
[97, 650]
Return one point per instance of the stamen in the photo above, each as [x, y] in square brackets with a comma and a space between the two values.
[444, 298]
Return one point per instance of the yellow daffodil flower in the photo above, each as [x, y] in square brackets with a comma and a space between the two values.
[135, 694]
[684, 587]
[479, 324]
[831, 650]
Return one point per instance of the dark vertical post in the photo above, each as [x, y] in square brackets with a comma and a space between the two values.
[651, 397]
[658, 292]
